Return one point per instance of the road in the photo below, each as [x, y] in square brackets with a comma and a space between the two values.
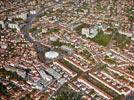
[39, 47]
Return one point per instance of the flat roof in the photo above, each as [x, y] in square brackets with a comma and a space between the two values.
[53, 73]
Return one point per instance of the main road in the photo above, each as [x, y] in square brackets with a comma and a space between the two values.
[39, 47]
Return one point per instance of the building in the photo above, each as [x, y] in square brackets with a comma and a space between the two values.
[53, 73]
[89, 33]
[22, 16]
[85, 31]
[69, 71]
[93, 31]
[96, 89]
[21, 73]
[2, 24]
[45, 76]
[69, 50]
[14, 26]
[43, 82]
[10, 68]
[33, 12]
[62, 81]
[53, 38]
[125, 33]
[51, 55]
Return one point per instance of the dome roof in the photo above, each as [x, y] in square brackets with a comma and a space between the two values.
[51, 54]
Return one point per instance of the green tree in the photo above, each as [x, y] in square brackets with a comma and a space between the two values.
[67, 94]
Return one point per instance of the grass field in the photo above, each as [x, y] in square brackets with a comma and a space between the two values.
[102, 39]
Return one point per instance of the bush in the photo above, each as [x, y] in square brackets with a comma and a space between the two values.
[121, 40]
[3, 90]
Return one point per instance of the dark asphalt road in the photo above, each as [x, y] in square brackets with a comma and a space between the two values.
[40, 49]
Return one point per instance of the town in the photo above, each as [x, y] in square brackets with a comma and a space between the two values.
[67, 50]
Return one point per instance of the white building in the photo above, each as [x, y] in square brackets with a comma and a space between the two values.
[37, 86]
[89, 33]
[51, 55]
[67, 49]
[125, 33]
[85, 31]
[33, 12]
[14, 26]
[10, 68]
[21, 73]
[2, 24]
[62, 81]
[45, 76]
[22, 16]
[53, 38]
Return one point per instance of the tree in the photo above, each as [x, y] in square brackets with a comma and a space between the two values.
[3, 90]
[67, 94]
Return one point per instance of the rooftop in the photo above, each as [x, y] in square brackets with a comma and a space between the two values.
[51, 54]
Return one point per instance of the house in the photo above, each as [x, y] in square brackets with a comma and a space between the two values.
[53, 38]
[52, 72]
